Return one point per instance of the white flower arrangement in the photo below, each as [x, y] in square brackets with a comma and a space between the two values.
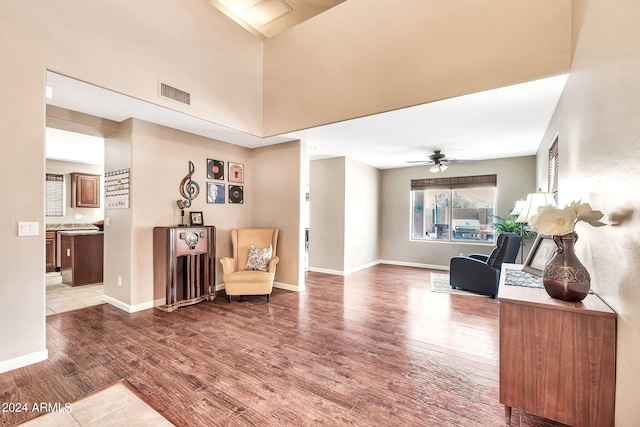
[552, 221]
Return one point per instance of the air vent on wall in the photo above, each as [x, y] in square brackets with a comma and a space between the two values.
[171, 92]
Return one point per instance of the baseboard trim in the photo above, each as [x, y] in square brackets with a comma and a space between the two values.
[279, 285]
[22, 361]
[126, 307]
[326, 271]
[346, 272]
[287, 287]
[416, 264]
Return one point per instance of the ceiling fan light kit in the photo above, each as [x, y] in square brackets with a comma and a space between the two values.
[439, 162]
[438, 167]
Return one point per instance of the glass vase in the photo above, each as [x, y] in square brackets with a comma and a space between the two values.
[564, 275]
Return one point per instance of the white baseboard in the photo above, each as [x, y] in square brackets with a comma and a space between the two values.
[416, 264]
[372, 264]
[126, 307]
[341, 272]
[26, 360]
[362, 267]
[287, 287]
[326, 271]
[279, 285]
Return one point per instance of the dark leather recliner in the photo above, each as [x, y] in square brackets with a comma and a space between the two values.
[481, 273]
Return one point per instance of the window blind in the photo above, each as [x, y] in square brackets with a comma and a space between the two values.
[454, 182]
[553, 169]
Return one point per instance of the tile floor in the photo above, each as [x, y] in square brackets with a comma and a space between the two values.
[116, 405]
[62, 297]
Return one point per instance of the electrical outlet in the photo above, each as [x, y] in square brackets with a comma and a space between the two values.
[78, 216]
[119, 280]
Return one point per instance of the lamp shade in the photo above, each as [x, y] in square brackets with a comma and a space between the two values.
[531, 205]
[517, 209]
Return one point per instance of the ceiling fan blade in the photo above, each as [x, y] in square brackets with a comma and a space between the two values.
[461, 161]
[424, 162]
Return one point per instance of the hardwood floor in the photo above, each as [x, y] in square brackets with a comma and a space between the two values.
[373, 348]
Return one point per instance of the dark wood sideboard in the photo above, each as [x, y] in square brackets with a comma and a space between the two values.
[184, 270]
[557, 358]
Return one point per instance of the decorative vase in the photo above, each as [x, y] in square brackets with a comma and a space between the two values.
[564, 275]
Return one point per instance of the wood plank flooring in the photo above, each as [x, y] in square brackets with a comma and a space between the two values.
[372, 348]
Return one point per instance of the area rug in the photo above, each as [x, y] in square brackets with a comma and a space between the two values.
[440, 284]
[117, 404]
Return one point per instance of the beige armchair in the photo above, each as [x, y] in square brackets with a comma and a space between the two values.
[241, 281]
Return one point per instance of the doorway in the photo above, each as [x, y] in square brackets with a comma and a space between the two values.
[70, 155]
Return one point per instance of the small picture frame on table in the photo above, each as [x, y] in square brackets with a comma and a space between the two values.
[540, 253]
[196, 218]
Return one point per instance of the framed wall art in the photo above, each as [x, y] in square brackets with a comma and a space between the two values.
[215, 192]
[236, 194]
[236, 172]
[215, 169]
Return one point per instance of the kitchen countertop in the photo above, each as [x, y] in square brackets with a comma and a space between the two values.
[71, 227]
[79, 232]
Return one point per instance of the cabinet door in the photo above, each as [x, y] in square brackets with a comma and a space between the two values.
[50, 251]
[85, 191]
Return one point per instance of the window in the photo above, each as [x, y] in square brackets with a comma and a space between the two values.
[54, 195]
[453, 209]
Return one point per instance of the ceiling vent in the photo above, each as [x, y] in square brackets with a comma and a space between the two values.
[171, 92]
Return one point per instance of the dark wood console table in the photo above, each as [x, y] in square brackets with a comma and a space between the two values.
[557, 358]
[184, 265]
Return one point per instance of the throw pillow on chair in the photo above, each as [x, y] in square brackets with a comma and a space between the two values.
[258, 259]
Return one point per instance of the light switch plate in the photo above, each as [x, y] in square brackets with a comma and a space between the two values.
[28, 228]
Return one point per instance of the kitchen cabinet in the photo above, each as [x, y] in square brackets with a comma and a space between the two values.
[81, 257]
[85, 190]
[50, 251]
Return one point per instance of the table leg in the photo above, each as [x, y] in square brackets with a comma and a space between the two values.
[507, 415]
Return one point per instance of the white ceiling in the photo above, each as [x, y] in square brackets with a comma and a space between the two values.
[505, 122]
[74, 147]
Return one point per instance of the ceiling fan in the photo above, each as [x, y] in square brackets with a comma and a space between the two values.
[438, 161]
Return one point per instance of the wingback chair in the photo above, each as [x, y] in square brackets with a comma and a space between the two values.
[481, 273]
[250, 275]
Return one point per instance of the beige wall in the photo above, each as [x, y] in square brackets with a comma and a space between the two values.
[361, 215]
[22, 309]
[344, 197]
[129, 46]
[327, 214]
[117, 231]
[599, 149]
[367, 56]
[277, 190]
[516, 178]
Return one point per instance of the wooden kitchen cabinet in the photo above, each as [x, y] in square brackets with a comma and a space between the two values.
[81, 257]
[50, 251]
[85, 190]
[557, 358]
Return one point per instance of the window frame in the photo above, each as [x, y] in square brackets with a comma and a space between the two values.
[450, 185]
